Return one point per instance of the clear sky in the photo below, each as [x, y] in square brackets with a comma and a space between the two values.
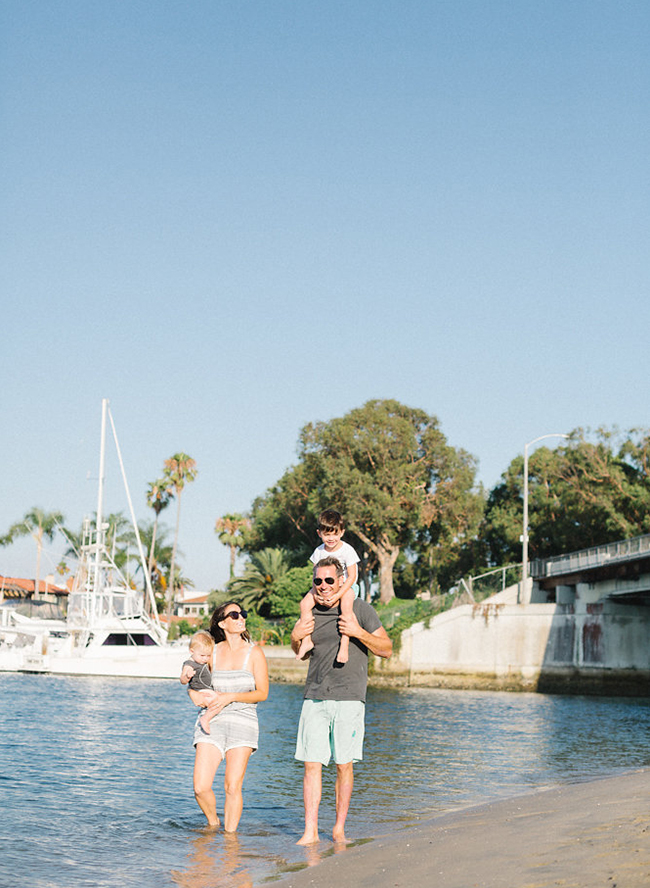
[233, 218]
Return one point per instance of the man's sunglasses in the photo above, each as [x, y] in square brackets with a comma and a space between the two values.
[235, 615]
[329, 580]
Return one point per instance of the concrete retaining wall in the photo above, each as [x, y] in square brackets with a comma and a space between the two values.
[590, 645]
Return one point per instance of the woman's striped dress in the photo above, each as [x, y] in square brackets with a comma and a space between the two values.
[236, 724]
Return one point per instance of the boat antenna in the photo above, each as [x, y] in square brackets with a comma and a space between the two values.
[147, 578]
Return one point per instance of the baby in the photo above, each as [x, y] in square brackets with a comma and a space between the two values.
[201, 648]
[331, 528]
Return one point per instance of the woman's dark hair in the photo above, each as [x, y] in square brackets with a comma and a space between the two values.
[218, 616]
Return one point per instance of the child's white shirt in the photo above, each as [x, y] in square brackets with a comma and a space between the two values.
[345, 554]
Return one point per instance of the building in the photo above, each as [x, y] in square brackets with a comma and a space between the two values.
[16, 591]
[195, 607]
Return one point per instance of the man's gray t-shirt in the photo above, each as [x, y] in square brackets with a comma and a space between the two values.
[327, 680]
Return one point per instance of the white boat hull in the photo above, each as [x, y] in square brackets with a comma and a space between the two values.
[155, 662]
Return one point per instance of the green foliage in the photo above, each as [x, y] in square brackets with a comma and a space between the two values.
[185, 628]
[255, 586]
[390, 471]
[288, 591]
[233, 530]
[581, 494]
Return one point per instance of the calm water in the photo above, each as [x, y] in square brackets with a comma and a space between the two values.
[96, 775]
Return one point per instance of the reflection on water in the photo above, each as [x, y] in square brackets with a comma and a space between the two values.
[96, 775]
[215, 861]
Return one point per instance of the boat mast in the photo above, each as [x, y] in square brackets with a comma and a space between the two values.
[99, 530]
[147, 579]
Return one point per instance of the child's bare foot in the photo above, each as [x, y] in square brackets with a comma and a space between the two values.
[306, 645]
[204, 721]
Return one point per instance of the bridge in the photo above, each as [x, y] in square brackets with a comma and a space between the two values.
[622, 569]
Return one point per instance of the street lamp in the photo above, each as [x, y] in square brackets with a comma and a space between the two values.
[524, 537]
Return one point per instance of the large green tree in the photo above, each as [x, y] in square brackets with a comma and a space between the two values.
[389, 469]
[594, 489]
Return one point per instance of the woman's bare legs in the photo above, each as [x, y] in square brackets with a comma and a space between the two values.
[206, 762]
[306, 644]
[236, 762]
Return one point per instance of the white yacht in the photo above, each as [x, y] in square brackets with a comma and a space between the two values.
[111, 628]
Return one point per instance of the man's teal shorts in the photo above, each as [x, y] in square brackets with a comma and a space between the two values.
[331, 729]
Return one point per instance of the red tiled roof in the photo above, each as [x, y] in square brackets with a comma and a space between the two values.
[202, 599]
[17, 587]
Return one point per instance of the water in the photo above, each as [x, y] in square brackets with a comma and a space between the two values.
[96, 775]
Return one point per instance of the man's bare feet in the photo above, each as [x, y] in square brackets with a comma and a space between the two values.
[308, 839]
[306, 645]
[338, 835]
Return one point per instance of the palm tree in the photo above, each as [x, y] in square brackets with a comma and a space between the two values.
[252, 588]
[160, 555]
[159, 496]
[41, 525]
[180, 469]
[232, 529]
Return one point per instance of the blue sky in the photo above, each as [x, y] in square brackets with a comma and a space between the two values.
[231, 219]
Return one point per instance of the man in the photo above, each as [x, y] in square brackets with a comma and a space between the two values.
[332, 717]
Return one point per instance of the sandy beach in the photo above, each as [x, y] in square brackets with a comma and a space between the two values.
[582, 835]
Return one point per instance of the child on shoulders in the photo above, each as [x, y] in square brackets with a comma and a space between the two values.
[331, 528]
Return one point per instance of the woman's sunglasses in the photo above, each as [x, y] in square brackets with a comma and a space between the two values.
[235, 615]
[329, 580]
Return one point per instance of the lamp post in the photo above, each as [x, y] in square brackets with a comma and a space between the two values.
[524, 536]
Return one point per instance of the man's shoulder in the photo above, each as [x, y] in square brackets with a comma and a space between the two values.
[366, 615]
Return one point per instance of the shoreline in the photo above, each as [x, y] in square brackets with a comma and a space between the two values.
[578, 835]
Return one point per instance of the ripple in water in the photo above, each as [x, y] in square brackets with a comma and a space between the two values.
[96, 775]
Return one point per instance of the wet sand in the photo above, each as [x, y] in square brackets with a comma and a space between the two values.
[584, 835]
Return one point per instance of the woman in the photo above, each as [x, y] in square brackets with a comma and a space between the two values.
[240, 680]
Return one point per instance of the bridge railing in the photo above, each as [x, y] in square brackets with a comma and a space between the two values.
[624, 550]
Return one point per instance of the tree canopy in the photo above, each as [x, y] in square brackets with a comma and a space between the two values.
[581, 494]
[389, 470]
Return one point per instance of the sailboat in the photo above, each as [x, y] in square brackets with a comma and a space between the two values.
[110, 628]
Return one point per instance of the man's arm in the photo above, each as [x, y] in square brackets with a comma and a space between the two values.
[377, 642]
